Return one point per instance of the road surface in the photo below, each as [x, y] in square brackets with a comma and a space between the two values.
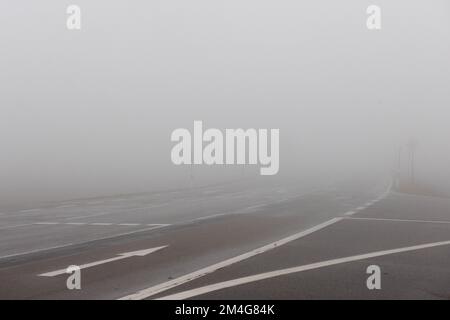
[242, 240]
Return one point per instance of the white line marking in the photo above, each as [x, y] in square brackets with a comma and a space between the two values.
[35, 251]
[100, 224]
[148, 292]
[399, 220]
[277, 273]
[29, 210]
[360, 208]
[129, 224]
[75, 223]
[78, 243]
[16, 226]
[65, 206]
[47, 223]
[140, 253]
[349, 213]
[120, 210]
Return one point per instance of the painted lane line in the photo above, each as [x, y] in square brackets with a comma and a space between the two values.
[267, 275]
[350, 213]
[47, 223]
[79, 243]
[360, 208]
[148, 292]
[121, 256]
[118, 212]
[34, 251]
[65, 206]
[94, 224]
[29, 210]
[399, 220]
[16, 226]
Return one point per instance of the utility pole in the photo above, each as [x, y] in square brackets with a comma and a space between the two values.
[412, 146]
[399, 167]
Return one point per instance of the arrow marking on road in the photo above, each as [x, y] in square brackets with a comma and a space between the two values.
[139, 253]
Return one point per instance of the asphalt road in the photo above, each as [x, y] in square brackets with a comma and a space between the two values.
[243, 240]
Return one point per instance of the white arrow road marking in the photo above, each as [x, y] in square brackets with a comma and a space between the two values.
[236, 282]
[121, 256]
[145, 293]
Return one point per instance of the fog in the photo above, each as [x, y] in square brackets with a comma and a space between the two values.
[90, 112]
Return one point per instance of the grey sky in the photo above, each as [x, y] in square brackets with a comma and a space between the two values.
[90, 112]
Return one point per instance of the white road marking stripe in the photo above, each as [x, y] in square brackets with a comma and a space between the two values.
[78, 243]
[16, 226]
[29, 210]
[240, 281]
[399, 220]
[121, 256]
[117, 212]
[349, 213]
[360, 208]
[94, 224]
[148, 292]
[47, 223]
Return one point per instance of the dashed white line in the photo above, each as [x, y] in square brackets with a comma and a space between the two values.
[244, 280]
[65, 206]
[47, 223]
[29, 210]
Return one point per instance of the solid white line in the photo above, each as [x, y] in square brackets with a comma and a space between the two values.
[16, 226]
[74, 223]
[349, 213]
[360, 208]
[129, 224]
[399, 220]
[34, 251]
[148, 292]
[100, 224]
[120, 210]
[78, 243]
[236, 282]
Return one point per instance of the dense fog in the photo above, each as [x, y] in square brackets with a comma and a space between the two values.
[90, 112]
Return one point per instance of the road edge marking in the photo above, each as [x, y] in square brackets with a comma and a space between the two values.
[267, 275]
[151, 291]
